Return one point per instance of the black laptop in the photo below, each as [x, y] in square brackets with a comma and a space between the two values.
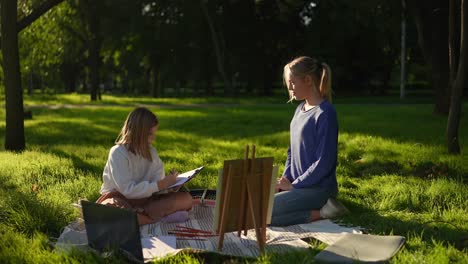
[110, 228]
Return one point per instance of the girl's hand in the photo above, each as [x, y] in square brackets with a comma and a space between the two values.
[284, 184]
[170, 179]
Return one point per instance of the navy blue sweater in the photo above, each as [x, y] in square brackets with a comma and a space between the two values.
[312, 154]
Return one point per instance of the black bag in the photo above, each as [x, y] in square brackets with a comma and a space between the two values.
[110, 228]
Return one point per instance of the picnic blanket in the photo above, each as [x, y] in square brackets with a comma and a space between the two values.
[346, 244]
[279, 239]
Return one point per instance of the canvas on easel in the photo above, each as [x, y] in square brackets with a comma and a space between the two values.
[245, 196]
[274, 176]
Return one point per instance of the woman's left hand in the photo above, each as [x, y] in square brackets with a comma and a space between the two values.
[284, 184]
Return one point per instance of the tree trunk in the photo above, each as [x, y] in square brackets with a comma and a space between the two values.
[431, 18]
[31, 83]
[155, 82]
[440, 63]
[220, 62]
[403, 50]
[268, 77]
[94, 49]
[14, 133]
[207, 74]
[460, 82]
[454, 38]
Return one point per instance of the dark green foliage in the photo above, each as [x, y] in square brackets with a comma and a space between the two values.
[165, 48]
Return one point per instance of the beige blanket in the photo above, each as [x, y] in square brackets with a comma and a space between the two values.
[279, 239]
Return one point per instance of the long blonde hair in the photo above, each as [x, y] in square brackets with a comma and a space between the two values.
[136, 130]
[319, 71]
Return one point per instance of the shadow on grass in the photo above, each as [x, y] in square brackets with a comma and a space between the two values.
[240, 123]
[62, 133]
[66, 127]
[426, 170]
[78, 163]
[376, 160]
[402, 123]
[231, 123]
[26, 213]
[382, 161]
[398, 122]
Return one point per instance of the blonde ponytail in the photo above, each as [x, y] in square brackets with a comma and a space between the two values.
[325, 83]
[286, 72]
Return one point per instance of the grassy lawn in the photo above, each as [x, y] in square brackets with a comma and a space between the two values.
[279, 97]
[394, 173]
[107, 99]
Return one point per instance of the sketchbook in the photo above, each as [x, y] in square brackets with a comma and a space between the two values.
[181, 180]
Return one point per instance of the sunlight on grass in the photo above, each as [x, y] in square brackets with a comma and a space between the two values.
[393, 171]
[107, 99]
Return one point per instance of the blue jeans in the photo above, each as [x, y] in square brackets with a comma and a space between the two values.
[295, 206]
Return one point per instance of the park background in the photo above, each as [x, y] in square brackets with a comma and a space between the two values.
[212, 71]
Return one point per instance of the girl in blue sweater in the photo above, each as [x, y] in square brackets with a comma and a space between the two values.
[309, 178]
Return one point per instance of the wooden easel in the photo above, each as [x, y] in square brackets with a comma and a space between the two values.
[250, 179]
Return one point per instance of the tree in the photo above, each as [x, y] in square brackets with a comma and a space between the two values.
[443, 38]
[90, 14]
[14, 132]
[219, 47]
[458, 72]
[46, 46]
[431, 19]
[370, 31]
[403, 50]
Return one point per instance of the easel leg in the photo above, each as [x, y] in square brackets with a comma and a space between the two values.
[227, 197]
[258, 232]
[259, 229]
[243, 201]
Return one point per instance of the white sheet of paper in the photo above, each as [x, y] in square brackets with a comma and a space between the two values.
[160, 246]
[184, 177]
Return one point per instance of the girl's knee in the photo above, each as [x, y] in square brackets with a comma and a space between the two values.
[116, 202]
[145, 219]
[184, 200]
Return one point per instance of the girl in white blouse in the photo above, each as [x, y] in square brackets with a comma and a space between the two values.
[134, 172]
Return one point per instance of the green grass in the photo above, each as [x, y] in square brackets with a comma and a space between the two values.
[279, 97]
[109, 99]
[394, 172]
